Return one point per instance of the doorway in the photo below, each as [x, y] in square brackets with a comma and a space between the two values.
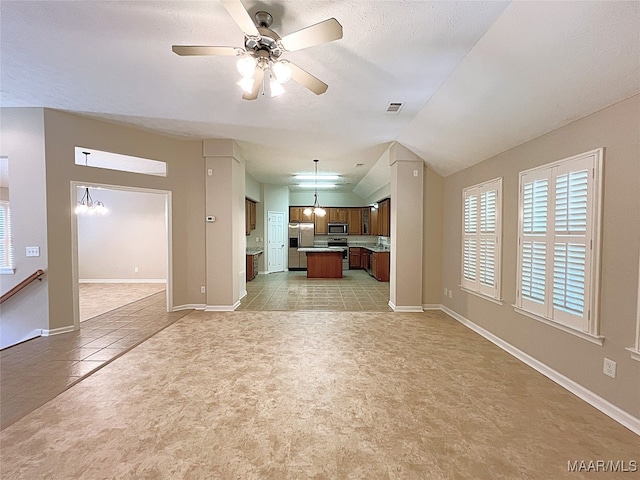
[123, 255]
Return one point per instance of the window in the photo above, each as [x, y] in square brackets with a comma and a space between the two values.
[482, 224]
[558, 242]
[6, 250]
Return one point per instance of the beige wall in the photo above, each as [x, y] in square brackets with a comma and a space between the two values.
[184, 179]
[26, 314]
[432, 237]
[132, 235]
[617, 130]
[327, 198]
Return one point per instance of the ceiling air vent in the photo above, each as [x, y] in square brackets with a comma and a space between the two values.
[394, 107]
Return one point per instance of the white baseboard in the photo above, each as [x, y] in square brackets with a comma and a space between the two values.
[606, 407]
[405, 309]
[432, 306]
[58, 331]
[122, 280]
[243, 294]
[221, 308]
[189, 306]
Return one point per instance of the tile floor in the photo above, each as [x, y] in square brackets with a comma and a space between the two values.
[98, 298]
[323, 395]
[34, 372]
[356, 291]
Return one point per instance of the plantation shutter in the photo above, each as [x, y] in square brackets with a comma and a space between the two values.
[6, 252]
[559, 207]
[481, 228]
[570, 244]
[533, 248]
[470, 244]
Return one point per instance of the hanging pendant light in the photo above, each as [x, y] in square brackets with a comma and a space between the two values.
[87, 205]
[316, 209]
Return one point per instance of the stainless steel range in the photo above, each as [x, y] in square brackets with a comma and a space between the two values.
[340, 243]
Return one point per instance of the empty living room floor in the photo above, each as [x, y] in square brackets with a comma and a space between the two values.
[335, 395]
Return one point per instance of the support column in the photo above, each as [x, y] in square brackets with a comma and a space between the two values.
[225, 237]
[407, 190]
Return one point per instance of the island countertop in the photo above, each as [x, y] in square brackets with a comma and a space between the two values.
[320, 249]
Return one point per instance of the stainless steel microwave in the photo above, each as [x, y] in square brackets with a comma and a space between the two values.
[338, 229]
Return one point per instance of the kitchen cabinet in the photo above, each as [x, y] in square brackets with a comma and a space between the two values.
[355, 258]
[380, 266]
[384, 218]
[296, 214]
[252, 265]
[373, 221]
[338, 215]
[250, 216]
[321, 224]
[355, 221]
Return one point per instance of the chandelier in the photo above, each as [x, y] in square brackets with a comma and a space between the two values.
[316, 209]
[87, 205]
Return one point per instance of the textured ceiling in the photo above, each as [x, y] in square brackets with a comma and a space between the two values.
[476, 78]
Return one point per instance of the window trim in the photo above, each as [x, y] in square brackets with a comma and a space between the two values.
[635, 350]
[498, 235]
[590, 329]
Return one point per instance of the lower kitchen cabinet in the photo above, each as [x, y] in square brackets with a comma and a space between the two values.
[355, 258]
[252, 266]
[380, 266]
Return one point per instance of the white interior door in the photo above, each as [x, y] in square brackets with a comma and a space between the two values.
[276, 241]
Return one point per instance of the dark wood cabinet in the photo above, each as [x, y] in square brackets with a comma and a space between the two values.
[250, 216]
[384, 218]
[355, 258]
[296, 214]
[380, 266]
[355, 221]
[252, 266]
[321, 224]
[338, 214]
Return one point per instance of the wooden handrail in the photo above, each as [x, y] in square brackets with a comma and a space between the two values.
[31, 278]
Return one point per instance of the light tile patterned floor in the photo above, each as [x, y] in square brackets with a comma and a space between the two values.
[355, 292]
[34, 372]
[98, 298]
[323, 395]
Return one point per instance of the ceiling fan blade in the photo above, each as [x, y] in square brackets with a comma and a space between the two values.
[241, 17]
[257, 83]
[185, 50]
[323, 32]
[307, 80]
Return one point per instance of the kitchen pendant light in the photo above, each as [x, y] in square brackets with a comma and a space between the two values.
[316, 209]
[87, 205]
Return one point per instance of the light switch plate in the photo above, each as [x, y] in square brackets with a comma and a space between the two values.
[33, 251]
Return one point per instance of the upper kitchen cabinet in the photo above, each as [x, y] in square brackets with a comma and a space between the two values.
[296, 214]
[338, 215]
[354, 220]
[373, 221]
[384, 218]
[250, 215]
[321, 224]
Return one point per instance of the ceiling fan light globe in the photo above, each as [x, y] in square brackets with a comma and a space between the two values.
[247, 66]
[276, 88]
[282, 71]
[246, 84]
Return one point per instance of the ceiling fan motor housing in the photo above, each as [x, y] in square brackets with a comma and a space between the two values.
[267, 41]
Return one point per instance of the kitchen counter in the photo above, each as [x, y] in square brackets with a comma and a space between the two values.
[320, 249]
[252, 262]
[255, 251]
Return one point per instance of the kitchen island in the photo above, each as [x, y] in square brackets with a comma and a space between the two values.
[323, 262]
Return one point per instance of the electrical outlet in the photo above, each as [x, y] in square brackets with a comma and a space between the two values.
[136, 269]
[203, 289]
[609, 368]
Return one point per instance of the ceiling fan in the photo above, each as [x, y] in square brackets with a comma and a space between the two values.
[263, 48]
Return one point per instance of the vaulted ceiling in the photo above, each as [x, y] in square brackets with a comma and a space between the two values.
[475, 78]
